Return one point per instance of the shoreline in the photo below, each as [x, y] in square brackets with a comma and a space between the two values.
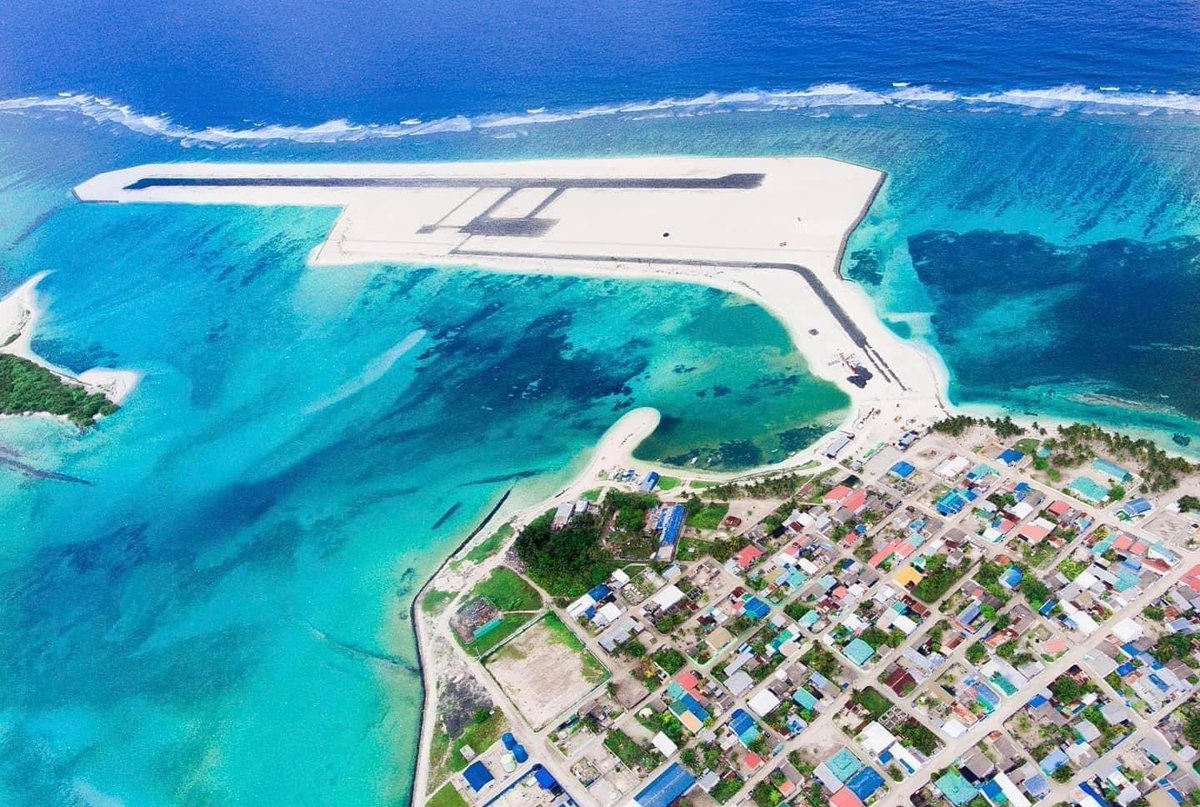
[19, 317]
[613, 448]
[832, 322]
[771, 230]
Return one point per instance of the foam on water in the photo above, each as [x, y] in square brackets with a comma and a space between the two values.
[240, 567]
[1051, 100]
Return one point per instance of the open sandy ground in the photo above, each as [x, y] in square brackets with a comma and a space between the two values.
[541, 676]
[19, 315]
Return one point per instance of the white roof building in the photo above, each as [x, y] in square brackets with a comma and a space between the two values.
[1013, 793]
[668, 596]
[954, 728]
[952, 467]
[739, 682]
[762, 703]
[608, 614]
[1021, 509]
[1127, 630]
[1083, 621]
[664, 744]
[580, 606]
[875, 739]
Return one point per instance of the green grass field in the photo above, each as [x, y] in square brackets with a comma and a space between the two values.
[491, 546]
[435, 601]
[669, 482]
[508, 591]
[445, 754]
[708, 517]
[509, 625]
[447, 796]
[593, 670]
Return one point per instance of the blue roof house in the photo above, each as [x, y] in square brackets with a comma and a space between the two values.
[478, 776]
[1010, 456]
[666, 788]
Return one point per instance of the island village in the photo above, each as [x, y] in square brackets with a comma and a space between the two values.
[922, 609]
[966, 615]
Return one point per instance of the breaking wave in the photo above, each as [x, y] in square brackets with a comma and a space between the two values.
[1055, 100]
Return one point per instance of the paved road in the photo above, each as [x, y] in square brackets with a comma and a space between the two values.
[746, 181]
[847, 323]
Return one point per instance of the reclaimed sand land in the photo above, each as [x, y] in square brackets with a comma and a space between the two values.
[770, 229]
[545, 670]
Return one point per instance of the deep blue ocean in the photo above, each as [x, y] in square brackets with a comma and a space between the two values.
[219, 616]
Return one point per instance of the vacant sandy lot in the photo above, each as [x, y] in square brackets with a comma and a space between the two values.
[545, 670]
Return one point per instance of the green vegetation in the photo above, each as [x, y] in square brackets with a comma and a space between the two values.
[705, 515]
[1071, 568]
[796, 609]
[593, 670]
[765, 794]
[1189, 504]
[871, 700]
[976, 653]
[938, 579]
[485, 549]
[821, 660]
[27, 388]
[1076, 444]
[726, 789]
[566, 562]
[435, 601]
[876, 637]
[937, 632]
[670, 659]
[665, 722]
[1027, 445]
[445, 752]
[776, 487]
[630, 509]
[1035, 591]
[957, 425]
[630, 752]
[446, 796]
[509, 624]
[1175, 646]
[1154, 612]
[988, 576]
[515, 598]
[508, 591]
[722, 551]
[1191, 725]
[666, 483]
[915, 735]
[693, 548]
[1067, 690]
[634, 649]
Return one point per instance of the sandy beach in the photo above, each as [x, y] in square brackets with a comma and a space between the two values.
[19, 316]
[770, 230]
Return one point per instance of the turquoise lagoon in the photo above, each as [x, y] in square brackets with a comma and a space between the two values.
[236, 575]
[307, 445]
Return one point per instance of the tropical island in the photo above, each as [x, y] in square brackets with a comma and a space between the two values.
[31, 386]
[925, 607]
[895, 625]
[28, 388]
